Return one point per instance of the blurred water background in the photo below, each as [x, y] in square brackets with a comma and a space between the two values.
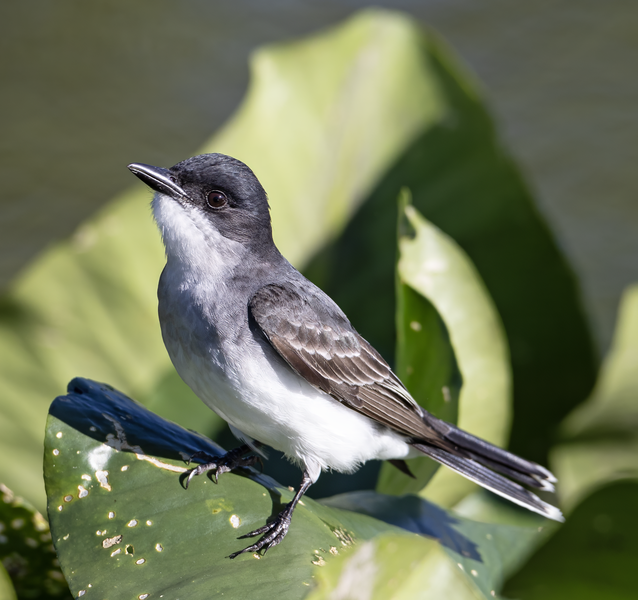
[90, 87]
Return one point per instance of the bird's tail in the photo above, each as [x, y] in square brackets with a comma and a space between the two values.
[478, 460]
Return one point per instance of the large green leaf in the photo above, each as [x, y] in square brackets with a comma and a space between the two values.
[325, 117]
[123, 524]
[592, 556]
[437, 271]
[601, 436]
[377, 570]
[87, 306]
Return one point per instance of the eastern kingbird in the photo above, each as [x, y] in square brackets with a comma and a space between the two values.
[277, 359]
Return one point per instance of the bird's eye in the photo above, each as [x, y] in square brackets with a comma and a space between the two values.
[216, 199]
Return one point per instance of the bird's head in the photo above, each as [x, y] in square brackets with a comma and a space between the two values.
[208, 202]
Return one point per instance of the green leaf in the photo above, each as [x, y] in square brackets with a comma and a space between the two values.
[113, 469]
[470, 561]
[122, 522]
[359, 93]
[425, 358]
[601, 435]
[425, 363]
[29, 567]
[390, 567]
[440, 273]
[592, 556]
[89, 306]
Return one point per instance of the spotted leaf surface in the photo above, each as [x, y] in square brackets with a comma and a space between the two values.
[124, 527]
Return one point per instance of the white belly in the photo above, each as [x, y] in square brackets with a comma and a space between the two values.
[258, 394]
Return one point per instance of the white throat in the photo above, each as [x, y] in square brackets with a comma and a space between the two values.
[194, 247]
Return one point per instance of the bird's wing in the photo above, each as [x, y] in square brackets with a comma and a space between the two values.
[314, 337]
[317, 341]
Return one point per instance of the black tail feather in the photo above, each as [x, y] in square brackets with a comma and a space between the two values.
[473, 470]
[524, 478]
[491, 456]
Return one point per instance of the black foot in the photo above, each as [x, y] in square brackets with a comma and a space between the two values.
[273, 533]
[221, 464]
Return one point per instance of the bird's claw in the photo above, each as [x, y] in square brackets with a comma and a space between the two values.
[272, 534]
[198, 471]
[219, 464]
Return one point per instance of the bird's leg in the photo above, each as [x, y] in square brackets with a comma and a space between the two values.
[221, 464]
[273, 533]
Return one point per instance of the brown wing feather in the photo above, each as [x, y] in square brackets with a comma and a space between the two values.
[318, 342]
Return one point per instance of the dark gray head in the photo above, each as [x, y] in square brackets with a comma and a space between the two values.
[219, 189]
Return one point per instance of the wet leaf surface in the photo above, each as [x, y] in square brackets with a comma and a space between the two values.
[123, 524]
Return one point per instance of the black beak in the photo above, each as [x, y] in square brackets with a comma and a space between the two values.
[157, 179]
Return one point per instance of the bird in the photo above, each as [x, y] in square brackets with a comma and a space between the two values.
[278, 360]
